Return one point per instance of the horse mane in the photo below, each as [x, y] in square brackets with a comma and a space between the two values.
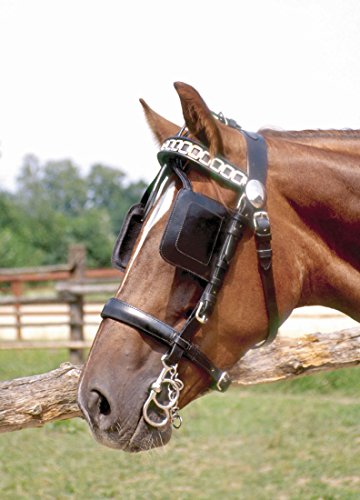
[346, 133]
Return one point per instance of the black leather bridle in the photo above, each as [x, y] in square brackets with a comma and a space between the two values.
[179, 154]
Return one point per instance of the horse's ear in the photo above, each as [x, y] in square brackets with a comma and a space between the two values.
[160, 127]
[199, 118]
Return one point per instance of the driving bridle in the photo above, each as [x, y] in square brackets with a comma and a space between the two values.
[218, 232]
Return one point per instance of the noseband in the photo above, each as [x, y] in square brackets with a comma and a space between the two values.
[217, 232]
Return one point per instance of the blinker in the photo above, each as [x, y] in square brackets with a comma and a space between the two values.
[255, 193]
[194, 214]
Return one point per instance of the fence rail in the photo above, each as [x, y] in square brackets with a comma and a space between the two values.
[45, 344]
[74, 285]
[77, 300]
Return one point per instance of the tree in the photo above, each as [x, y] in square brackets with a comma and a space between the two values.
[15, 235]
[108, 188]
[58, 185]
[54, 206]
[93, 229]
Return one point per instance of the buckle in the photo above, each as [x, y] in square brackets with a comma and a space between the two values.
[202, 318]
[261, 223]
[223, 383]
[264, 253]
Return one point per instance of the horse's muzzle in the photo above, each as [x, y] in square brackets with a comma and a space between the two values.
[124, 430]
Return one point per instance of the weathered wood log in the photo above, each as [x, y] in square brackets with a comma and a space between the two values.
[34, 401]
[288, 357]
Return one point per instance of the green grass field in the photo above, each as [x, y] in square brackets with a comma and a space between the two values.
[297, 440]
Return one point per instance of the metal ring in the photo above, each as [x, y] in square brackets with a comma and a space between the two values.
[151, 422]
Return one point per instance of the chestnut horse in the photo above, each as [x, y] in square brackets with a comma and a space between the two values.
[313, 201]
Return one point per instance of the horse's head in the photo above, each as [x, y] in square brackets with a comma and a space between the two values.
[176, 246]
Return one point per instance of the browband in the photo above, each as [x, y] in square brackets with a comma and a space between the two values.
[189, 149]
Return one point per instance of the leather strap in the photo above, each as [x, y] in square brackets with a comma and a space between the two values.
[257, 169]
[256, 156]
[125, 313]
[264, 251]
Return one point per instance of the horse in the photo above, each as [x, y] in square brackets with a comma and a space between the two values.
[307, 185]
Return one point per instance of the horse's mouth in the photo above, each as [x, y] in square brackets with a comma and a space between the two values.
[142, 438]
[146, 437]
[134, 437]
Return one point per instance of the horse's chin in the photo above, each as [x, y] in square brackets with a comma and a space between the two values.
[143, 437]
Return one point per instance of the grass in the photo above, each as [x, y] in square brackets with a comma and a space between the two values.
[30, 362]
[294, 440]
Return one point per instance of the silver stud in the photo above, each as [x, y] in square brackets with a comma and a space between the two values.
[255, 193]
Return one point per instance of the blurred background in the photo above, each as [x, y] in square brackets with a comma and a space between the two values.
[73, 140]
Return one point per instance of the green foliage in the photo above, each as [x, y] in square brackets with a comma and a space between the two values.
[16, 234]
[103, 192]
[93, 228]
[54, 206]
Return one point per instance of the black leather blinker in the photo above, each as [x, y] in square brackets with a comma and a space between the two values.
[127, 237]
[194, 233]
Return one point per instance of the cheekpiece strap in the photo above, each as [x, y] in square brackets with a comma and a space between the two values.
[264, 251]
[257, 170]
[257, 156]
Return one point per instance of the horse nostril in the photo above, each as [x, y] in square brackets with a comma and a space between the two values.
[102, 404]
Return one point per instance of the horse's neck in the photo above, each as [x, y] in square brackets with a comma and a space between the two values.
[318, 183]
[341, 141]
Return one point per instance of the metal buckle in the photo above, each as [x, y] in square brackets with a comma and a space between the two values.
[257, 215]
[223, 383]
[202, 318]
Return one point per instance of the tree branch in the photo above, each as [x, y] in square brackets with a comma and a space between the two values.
[36, 400]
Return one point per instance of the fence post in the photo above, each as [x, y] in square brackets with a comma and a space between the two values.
[77, 260]
[17, 291]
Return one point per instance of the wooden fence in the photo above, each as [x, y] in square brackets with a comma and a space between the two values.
[75, 285]
[75, 305]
